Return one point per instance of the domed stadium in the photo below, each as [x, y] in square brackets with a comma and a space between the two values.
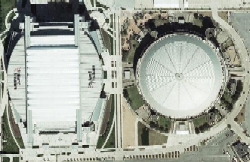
[180, 75]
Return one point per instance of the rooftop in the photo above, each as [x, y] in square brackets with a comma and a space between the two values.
[55, 81]
[185, 71]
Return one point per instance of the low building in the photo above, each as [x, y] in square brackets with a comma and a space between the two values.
[241, 150]
[182, 128]
[143, 112]
[45, 1]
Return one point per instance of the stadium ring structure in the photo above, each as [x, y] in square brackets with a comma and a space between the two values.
[181, 75]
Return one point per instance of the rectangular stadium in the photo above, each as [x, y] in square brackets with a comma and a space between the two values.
[125, 80]
[56, 85]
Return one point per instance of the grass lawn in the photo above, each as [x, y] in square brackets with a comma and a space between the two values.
[227, 96]
[92, 2]
[111, 40]
[111, 141]
[199, 121]
[11, 17]
[15, 159]
[6, 159]
[111, 21]
[20, 142]
[98, 4]
[9, 146]
[15, 129]
[5, 7]
[156, 138]
[107, 40]
[164, 122]
[135, 98]
[131, 53]
[143, 135]
[102, 138]
[197, 22]
[100, 142]
[106, 117]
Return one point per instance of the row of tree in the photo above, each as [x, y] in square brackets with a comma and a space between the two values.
[228, 100]
[1, 18]
[202, 128]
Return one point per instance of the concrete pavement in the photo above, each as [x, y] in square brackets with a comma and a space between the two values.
[117, 49]
[196, 139]
[245, 63]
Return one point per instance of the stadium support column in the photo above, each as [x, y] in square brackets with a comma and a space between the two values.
[181, 4]
[79, 124]
[28, 112]
[78, 111]
[27, 31]
[76, 28]
[29, 127]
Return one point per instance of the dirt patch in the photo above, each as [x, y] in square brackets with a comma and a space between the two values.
[106, 116]
[143, 135]
[16, 130]
[129, 131]
[156, 138]
[223, 15]
[240, 118]
[147, 136]
[205, 13]
[106, 40]
[14, 126]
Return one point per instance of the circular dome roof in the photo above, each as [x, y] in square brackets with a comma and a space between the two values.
[180, 76]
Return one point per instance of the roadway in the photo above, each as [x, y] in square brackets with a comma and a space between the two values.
[119, 88]
[4, 95]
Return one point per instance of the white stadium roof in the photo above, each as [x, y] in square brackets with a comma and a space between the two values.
[180, 76]
[53, 83]
[170, 3]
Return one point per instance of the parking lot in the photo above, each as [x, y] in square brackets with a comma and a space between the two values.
[241, 23]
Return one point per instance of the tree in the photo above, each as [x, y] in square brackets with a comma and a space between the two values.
[161, 128]
[125, 93]
[152, 124]
[196, 16]
[238, 91]
[197, 130]
[159, 16]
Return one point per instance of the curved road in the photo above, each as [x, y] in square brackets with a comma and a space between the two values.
[245, 63]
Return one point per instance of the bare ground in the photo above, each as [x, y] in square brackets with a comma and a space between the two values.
[129, 120]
